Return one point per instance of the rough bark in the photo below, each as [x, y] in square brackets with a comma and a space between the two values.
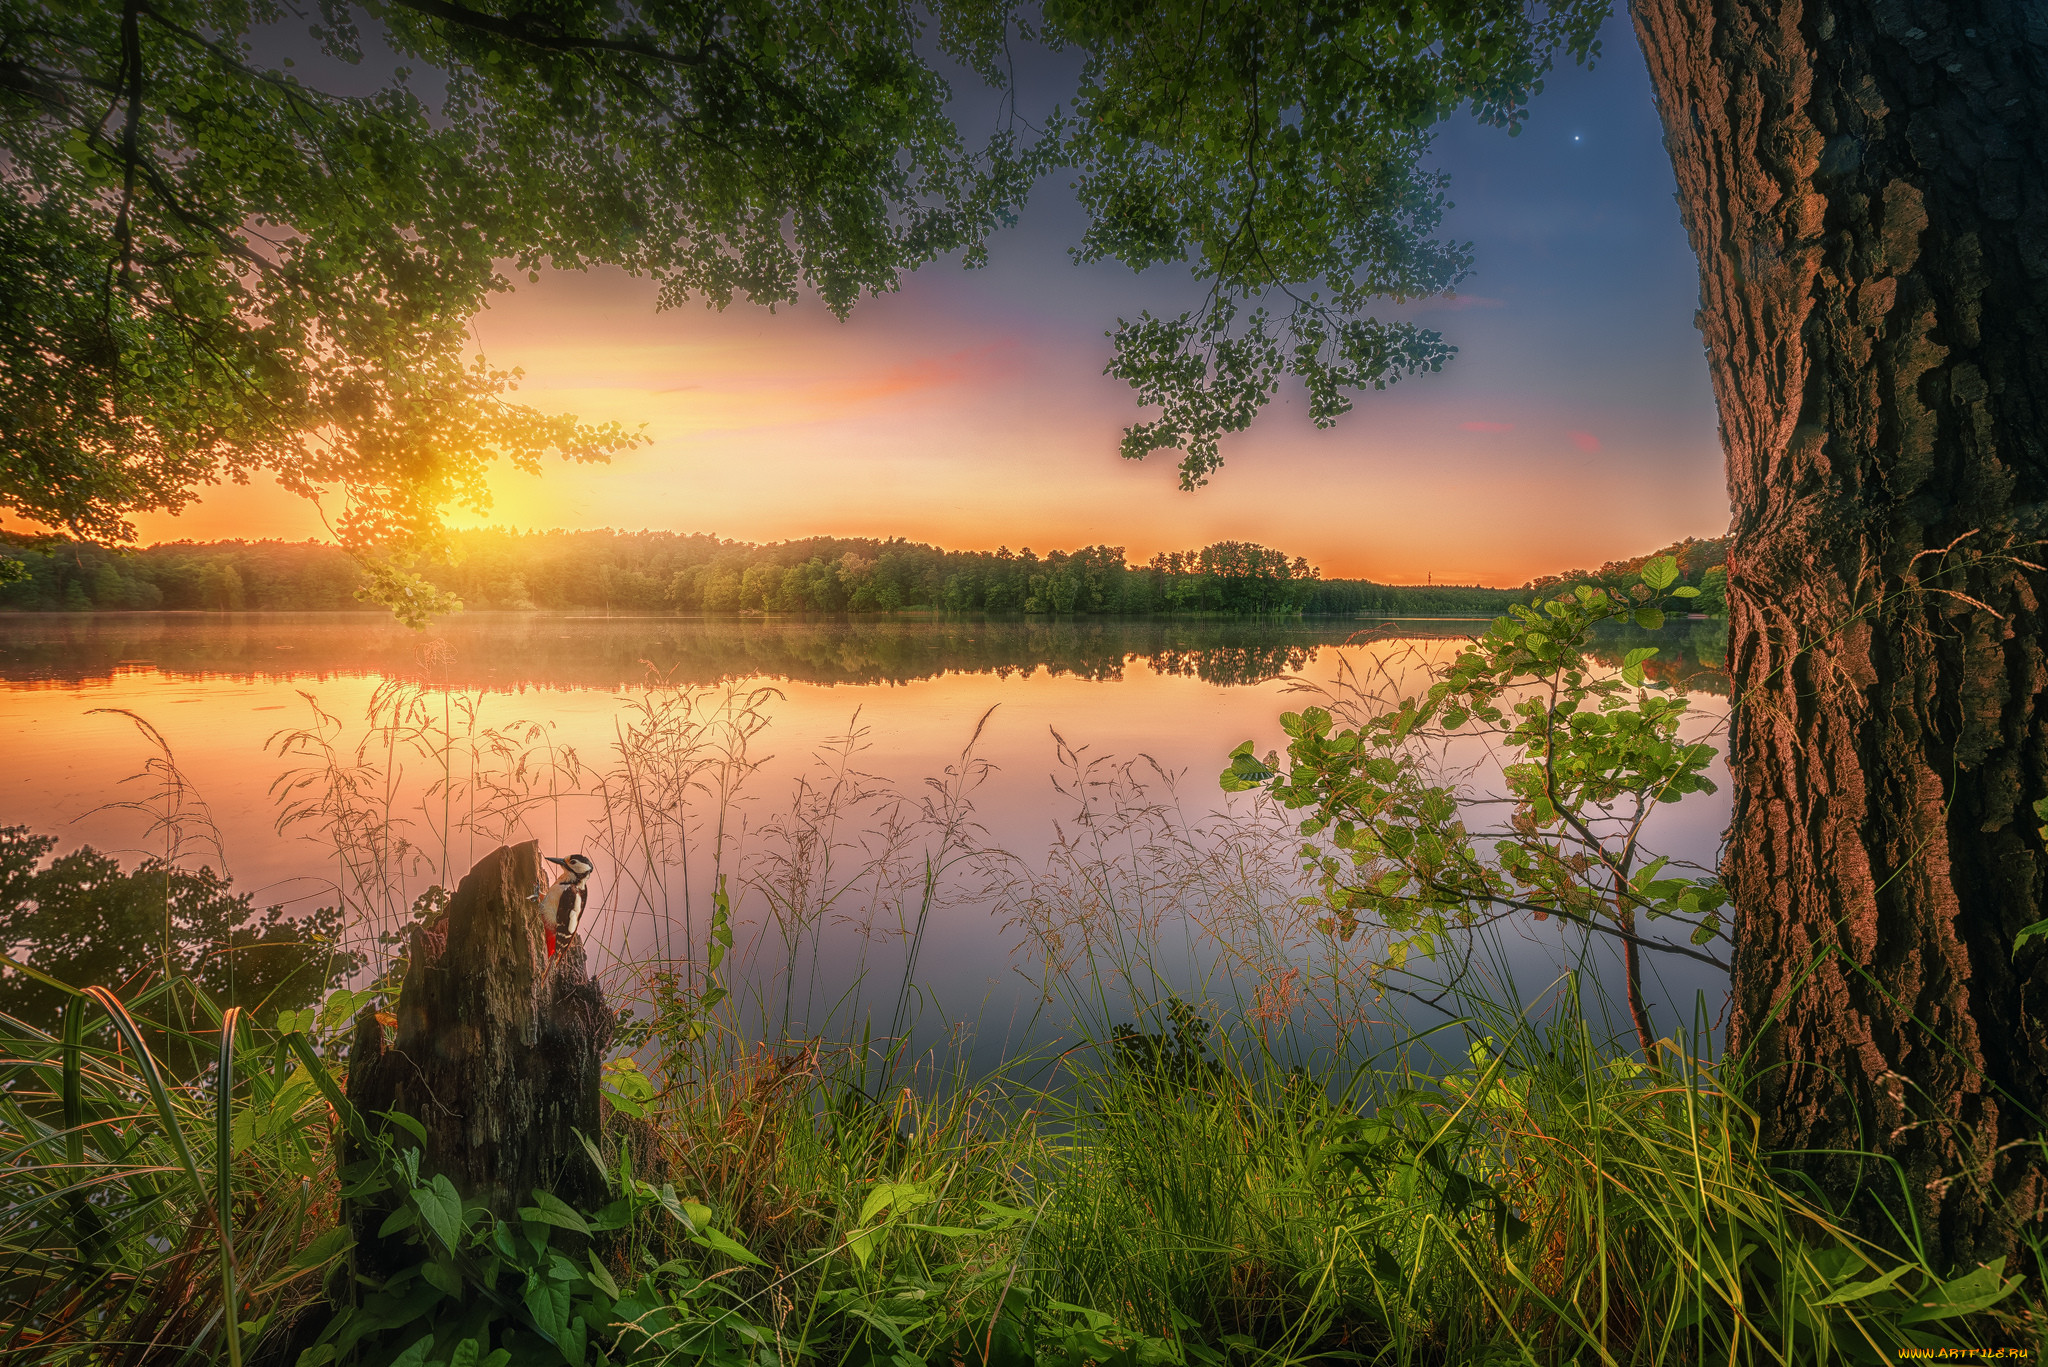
[1866, 185]
[497, 1052]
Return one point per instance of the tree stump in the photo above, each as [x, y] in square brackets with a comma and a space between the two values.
[497, 1055]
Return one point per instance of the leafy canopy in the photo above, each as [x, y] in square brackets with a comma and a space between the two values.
[211, 266]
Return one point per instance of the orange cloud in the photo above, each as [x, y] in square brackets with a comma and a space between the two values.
[1487, 426]
[1586, 442]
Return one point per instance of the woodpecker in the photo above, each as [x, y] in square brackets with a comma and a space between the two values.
[561, 904]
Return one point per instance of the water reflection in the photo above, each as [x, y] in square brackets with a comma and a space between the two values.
[497, 651]
[1151, 709]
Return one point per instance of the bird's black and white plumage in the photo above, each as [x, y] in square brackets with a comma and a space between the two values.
[561, 903]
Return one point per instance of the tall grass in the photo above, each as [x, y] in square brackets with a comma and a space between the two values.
[1238, 1153]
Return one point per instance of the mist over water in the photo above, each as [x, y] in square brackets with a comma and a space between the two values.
[1023, 813]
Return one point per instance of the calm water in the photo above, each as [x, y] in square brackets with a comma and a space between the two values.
[819, 764]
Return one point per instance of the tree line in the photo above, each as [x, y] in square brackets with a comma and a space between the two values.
[669, 572]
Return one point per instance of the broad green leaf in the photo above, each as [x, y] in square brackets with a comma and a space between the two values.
[1856, 1291]
[1965, 1295]
[1661, 572]
[902, 1195]
[441, 1207]
[549, 1209]
[601, 1278]
[416, 1354]
[712, 1239]
[1251, 770]
[861, 1244]
[410, 1124]
[548, 1303]
[1649, 619]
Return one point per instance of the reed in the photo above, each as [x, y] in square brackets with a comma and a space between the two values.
[1239, 1153]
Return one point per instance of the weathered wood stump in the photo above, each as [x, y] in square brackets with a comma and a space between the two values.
[497, 1054]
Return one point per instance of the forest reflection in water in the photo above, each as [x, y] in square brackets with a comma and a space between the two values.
[1131, 719]
[495, 651]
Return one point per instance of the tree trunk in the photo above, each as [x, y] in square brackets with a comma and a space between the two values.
[1866, 186]
[497, 1054]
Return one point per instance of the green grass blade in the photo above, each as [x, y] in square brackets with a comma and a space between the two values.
[152, 1076]
[224, 1180]
[73, 1098]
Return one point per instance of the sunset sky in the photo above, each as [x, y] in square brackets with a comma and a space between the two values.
[970, 409]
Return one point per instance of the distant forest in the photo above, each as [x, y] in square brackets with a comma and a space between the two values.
[671, 573]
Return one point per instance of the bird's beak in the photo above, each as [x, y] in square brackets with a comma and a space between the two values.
[552, 860]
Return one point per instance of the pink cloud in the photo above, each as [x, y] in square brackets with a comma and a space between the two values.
[1586, 442]
[1487, 426]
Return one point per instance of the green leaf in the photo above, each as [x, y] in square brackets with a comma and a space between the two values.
[601, 1278]
[415, 1355]
[1649, 619]
[441, 1207]
[1685, 591]
[341, 1007]
[548, 1303]
[1965, 1295]
[902, 1195]
[627, 1088]
[466, 1354]
[2033, 932]
[1251, 770]
[549, 1209]
[1856, 1291]
[327, 1245]
[410, 1124]
[442, 1278]
[712, 1239]
[1661, 572]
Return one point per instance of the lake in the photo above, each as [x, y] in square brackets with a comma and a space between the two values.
[1024, 812]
